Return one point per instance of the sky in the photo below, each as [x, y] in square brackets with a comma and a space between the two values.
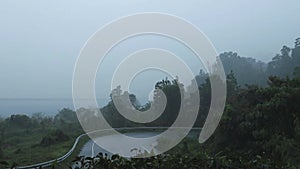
[41, 40]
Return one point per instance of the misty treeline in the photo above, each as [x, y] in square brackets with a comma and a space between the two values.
[250, 71]
[260, 126]
[261, 122]
[241, 72]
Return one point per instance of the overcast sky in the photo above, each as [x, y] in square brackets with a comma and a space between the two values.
[40, 40]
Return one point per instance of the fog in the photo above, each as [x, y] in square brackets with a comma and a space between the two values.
[41, 40]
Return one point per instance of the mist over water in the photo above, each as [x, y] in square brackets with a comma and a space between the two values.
[48, 107]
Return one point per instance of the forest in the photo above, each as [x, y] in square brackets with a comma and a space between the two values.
[260, 126]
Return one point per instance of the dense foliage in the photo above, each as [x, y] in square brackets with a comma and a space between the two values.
[260, 127]
[262, 121]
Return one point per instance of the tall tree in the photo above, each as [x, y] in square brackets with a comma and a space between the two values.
[247, 70]
[2, 132]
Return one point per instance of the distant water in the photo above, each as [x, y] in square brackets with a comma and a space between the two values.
[49, 107]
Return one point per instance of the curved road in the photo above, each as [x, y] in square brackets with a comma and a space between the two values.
[90, 149]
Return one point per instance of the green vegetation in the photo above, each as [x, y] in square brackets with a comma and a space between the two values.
[262, 122]
[260, 127]
[28, 140]
[188, 154]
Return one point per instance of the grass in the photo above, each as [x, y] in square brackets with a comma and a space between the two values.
[22, 146]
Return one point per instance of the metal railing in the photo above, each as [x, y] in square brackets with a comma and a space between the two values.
[51, 162]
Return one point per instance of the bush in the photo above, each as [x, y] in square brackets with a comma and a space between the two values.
[55, 137]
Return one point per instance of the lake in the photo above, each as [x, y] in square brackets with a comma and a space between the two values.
[49, 107]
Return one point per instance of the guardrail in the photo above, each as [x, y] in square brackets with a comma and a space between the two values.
[61, 159]
[51, 162]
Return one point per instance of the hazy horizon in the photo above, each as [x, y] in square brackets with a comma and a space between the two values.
[40, 40]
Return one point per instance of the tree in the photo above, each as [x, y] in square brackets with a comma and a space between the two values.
[232, 84]
[20, 120]
[172, 90]
[296, 53]
[281, 64]
[247, 70]
[66, 115]
[261, 121]
[297, 43]
[296, 72]
[201, 77]
[2, 137]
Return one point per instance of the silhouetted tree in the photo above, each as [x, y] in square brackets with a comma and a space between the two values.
[283, 64]
[296, 72]
[232, 84]
[247, 70]
[2, 130]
